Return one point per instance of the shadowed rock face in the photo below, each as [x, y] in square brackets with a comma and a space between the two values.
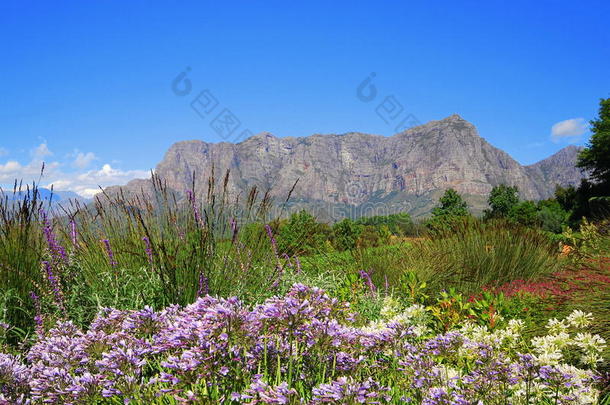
[406, 171]
[556, 169]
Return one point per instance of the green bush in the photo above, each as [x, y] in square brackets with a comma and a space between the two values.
[346, 233]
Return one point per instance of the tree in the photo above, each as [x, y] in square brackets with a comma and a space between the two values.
[552, 216]
[566, 197]
[301, 234]
[346, 234]
[501, 200]
[595, 158]
[524, 213]
[397, 224]
[451, 204]
[370, 237]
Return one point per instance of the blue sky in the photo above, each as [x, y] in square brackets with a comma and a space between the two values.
[87, 86]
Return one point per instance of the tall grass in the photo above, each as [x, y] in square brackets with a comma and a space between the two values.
[472, 254]
[21, 246]
[156, 247]
[468, 255]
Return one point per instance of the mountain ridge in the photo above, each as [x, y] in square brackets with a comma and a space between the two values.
[403, 172]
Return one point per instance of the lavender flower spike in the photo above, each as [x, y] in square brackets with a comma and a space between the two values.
[148, 250]
[113, 262]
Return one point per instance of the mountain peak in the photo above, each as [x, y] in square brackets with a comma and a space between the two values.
[558, 169]
[453, 118]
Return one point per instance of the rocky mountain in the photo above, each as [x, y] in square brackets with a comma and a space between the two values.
[556, 169]
[357, 174]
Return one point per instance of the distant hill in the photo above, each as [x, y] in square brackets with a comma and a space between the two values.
[45, 194]
[357, 174]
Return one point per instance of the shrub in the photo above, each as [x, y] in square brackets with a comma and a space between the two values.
[346, 233]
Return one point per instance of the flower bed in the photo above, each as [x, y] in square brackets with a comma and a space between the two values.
[304, 347]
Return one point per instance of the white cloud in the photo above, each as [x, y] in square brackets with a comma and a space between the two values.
[41, 151]
[9, 167]
[84, 183]
[567, 129]
[12, 170]
[87, 184]
[83, 160]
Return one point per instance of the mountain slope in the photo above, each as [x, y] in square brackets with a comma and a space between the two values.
[367, 174]
[556, 169]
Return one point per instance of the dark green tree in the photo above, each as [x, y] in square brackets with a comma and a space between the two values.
[346, 233]
[301, 234]
[566, 197]
[551, 215]
[398, 224]
[370, 237]
[595, 158]
[501, 200]
[451, 204]
[524, 213]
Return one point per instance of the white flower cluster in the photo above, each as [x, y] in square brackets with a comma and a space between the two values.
[508, 337]
[566, 334]
[552, 353]
[392, 312]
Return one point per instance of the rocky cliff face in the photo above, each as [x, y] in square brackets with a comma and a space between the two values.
[556, 169]
[378, 174]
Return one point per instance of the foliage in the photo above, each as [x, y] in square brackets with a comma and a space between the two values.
[551, 216]
[346, 233]
[524, 213]
[502, 199]
[566, 197]
[588, 242]
[302, 234]
[591, 198]
[451, 204]
[451, 208]
[22, 243]
[595, 158]
[397, 224]
[128, 251]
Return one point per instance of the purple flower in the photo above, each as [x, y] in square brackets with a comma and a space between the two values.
[294, 348]
[109, 252]
[54, 284]
[38, 319]
[148, 250]
[261, 392]
[347, 390]
[191, 198]
[271, 238]
[367, 279]
[57, 252]
[14, 380]
[203, 285]
[234, 230]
